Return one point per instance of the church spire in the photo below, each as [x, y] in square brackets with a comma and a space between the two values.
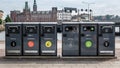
[35, 6]
[34, 2]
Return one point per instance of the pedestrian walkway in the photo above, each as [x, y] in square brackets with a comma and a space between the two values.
[61, 63]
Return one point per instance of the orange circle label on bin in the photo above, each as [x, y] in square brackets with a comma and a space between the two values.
[30, 44]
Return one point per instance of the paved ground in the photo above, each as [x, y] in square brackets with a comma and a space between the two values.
[60, 63]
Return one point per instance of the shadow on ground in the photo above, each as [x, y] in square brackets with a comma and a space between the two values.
[55, 61]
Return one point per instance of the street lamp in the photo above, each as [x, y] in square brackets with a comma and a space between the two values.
[88, 8]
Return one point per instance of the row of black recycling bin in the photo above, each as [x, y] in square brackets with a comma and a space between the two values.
[78, 39]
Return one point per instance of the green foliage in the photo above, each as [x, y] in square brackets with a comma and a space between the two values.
[0, 21]
[108, 17]
[7, 19]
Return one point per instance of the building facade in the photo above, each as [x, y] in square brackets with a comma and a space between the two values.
[63, 16]
[34, 16]
[82, 17]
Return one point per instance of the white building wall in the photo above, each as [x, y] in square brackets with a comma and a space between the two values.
[65, 16]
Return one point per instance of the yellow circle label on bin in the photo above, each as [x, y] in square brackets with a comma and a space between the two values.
[48, 43]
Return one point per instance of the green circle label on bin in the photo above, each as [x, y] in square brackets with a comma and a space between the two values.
[88, 44]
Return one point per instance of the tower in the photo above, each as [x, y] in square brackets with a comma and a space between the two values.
[35, 6]
[26, 9]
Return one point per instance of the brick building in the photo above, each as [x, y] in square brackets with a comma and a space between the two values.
[34, 16]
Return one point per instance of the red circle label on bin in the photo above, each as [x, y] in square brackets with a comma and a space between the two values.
[30, 44]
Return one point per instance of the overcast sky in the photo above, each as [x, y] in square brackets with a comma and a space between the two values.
[100, 7]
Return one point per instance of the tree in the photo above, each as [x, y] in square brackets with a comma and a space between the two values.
[116, 17]
[108, 17]
[7, 19]
[0, 21]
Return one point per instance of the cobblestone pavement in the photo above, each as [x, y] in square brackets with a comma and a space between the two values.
[59, 63]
